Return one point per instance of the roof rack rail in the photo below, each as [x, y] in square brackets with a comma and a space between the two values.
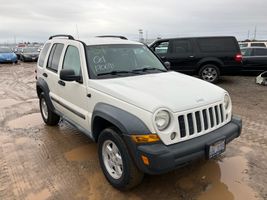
[62, 35]
[113, 36]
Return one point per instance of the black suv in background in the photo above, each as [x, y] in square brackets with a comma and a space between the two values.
[208, 57]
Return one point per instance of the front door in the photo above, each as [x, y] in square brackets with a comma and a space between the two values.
[73, 94]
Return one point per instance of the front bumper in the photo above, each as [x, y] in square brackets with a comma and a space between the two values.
[164, 158]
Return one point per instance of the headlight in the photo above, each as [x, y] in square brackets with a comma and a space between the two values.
[227, 102]
[162, 120]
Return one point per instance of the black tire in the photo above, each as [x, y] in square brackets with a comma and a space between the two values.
[209, 73]
[22, 59]
[131, 176]
[50, 118]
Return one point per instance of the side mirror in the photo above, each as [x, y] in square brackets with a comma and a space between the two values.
[69, 75]
[167, 65]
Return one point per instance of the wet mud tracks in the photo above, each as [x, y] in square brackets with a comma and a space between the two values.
[41, 162]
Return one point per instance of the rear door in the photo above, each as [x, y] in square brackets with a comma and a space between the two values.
[51, 72]
[255, 59]
[181, 55]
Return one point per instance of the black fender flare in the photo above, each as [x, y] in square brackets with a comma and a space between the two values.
[209, 60]
[42, 85]
[126, 122]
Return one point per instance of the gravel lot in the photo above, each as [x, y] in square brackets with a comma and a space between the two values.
[41, 162]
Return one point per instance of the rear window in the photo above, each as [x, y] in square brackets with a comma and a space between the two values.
[217, 44]
[43, 54]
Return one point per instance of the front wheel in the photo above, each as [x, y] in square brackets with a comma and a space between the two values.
[115, 161]
[209, 73]
[49, 117]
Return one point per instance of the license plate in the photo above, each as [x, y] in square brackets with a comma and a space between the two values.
[33, 58]
[216, 148]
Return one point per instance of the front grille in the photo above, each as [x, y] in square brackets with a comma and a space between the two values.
[201, 121]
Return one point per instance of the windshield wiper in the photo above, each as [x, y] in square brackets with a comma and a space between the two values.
[148, 69]
[114, 73]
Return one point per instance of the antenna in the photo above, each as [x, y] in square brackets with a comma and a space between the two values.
[77, 32]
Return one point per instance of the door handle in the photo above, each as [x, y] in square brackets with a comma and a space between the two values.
[60, 82]
[45, 75]
[191, 56]
[163, 57]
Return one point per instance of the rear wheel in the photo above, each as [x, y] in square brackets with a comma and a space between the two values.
[49, 117]
[210, 73]
[115, 161]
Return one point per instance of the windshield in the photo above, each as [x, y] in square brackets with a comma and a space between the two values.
[122, 60]
[5, 50]
[30, 50]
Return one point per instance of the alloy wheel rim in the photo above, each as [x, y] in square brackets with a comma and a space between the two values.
[209, 74]
[44, 108]
[112, 159]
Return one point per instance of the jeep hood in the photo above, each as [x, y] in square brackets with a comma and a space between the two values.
[171, 90]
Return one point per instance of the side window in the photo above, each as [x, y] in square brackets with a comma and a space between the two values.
[243, 45]
[181, 46]
[43, 54]
[259, 44]
[72, 60]
[260, 52]
[54, 57]
[217, 44]
[162, 47]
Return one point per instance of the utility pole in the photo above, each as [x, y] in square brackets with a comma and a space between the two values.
[141, 38]
[255, 33]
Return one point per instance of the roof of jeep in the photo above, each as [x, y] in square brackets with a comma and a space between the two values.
[103, 41]
[97, 41]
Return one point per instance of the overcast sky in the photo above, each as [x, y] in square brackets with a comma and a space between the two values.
[33, 20]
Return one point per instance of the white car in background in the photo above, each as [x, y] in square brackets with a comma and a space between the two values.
[252, 44]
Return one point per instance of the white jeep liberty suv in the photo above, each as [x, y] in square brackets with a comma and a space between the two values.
[145, 118]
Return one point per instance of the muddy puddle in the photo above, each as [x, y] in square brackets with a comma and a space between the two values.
[82, 153]
[26, 121]
[226, 179]
[8, 102]
[43, 195]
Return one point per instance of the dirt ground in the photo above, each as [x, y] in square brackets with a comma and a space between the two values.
[41, 162]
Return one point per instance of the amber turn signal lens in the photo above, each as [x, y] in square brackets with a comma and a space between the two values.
[149, 138]
[145, 160]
